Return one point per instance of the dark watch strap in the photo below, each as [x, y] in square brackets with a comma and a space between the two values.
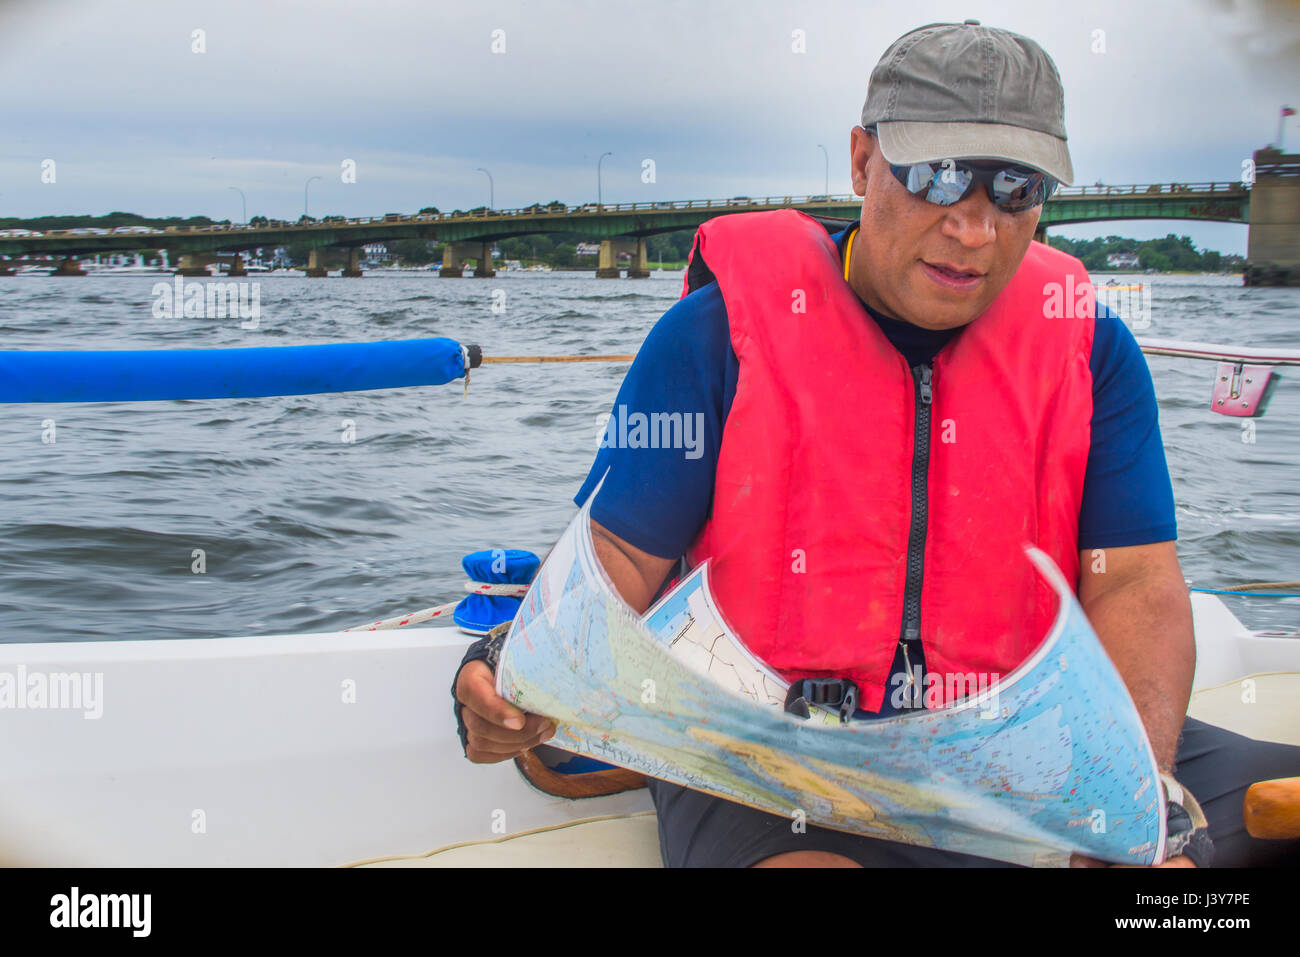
[487, 648]
[1187, 831]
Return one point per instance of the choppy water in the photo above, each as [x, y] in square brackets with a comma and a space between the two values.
[305, 532]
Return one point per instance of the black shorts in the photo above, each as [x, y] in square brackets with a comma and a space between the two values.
[1216, 766]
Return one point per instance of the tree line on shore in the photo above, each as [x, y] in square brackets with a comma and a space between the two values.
[1171, 254]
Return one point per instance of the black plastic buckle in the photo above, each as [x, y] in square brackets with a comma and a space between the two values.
[826, 693]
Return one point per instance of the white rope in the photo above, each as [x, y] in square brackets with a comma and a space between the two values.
[415, 617]
[496, 588]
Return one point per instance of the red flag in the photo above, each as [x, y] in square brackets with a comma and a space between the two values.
[1287, 111]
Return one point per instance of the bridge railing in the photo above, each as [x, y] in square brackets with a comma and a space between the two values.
[1148, 189]
[536, 210]
[477, 214]
[660, 207]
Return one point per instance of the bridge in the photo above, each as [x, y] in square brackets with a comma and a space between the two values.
[622, 227]
[1218, 202]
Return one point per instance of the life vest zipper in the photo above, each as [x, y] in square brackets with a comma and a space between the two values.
[910, 636]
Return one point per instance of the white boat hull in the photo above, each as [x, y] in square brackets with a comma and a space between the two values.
[310, 750]
[243, 751]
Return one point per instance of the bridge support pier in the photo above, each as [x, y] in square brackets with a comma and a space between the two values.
[1273, 244]
[68, 267]
[452, 265]
[237, 267]
[607, 263]
[1040, 235]
[353, 269]
[638, 268]
[483, 269]
[315, 269]
[192, 266]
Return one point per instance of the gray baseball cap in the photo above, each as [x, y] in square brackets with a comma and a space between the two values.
[965, 91]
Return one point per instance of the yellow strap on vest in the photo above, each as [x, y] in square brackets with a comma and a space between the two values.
[848, 252]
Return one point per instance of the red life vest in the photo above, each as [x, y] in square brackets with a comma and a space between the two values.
[813, 498]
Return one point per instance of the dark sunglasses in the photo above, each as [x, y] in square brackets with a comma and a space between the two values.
[1012, 189]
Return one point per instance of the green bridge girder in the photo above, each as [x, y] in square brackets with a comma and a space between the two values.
[1219, 202]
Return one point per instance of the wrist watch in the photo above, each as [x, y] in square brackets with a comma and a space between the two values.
[1187, 832]
[487, 649]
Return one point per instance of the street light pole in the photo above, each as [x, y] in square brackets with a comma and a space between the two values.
[243, 199]
[827, 187]
[305, 187]
[599, 202]
[492, 190]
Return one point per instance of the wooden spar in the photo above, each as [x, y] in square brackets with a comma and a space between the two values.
[487, 359]
[1264, 355]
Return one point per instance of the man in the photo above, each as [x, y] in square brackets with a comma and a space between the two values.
[890, 411]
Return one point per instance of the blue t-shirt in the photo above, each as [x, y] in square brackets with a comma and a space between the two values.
[657, 499]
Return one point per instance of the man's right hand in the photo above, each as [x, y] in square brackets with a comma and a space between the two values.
[497, 730]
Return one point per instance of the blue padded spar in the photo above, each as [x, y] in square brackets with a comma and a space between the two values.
[153, 374]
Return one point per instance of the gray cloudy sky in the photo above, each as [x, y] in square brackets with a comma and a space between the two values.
[709, 89]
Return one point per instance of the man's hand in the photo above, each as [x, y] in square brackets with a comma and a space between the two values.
[497, 730]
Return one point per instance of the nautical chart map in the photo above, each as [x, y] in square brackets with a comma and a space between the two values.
[688, 622]
[1051, 760]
